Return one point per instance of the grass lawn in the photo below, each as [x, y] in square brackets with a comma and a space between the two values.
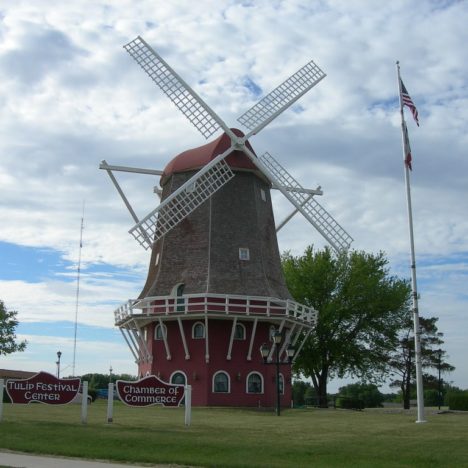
[240, 438]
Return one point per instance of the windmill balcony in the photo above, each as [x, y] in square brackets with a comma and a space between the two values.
[215, 305]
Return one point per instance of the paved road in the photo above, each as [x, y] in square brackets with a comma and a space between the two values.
[21, 460]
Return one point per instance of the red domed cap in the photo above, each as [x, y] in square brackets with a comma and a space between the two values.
[196, 158]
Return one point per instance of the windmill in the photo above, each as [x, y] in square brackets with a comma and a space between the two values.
[215, 274]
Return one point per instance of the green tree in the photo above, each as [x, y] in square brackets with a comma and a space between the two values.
[8, 324]
[402, 359]
[369, 394]
[361, 310]
[299, 388]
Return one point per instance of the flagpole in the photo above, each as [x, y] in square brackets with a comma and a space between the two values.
[417, 330]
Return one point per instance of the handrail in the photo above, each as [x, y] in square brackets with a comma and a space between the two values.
[215, 304]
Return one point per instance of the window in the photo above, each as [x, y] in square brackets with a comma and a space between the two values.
[156, 260]
[178, 291]
[239, 333]
[254, 383]
[263, 195]
[221, 382]
[198, 330]
[281, 384]
[272, 332]
[179, 378]
[160, 332]
[244, 253]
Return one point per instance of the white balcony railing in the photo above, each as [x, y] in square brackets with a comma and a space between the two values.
[215, 305]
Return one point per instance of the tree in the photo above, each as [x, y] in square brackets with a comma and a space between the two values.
[402, 359]
[299, 388]
[8, 339]
[368, 394]
[361, 310]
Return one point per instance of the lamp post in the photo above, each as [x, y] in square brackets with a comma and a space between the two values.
[265, 351]
[59, 355]
[440, 381]
[110, 374]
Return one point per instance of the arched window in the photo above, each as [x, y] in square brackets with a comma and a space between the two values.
[239, 334]
[198, 330]
[160, 332]
[221, 382]
[281, 384]
[178, 291]
[178, 377]
[272, 332]
[254, 383]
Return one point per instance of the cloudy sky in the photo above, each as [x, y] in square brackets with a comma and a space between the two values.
[71, 96]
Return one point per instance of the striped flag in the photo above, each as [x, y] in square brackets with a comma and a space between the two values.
[408, 158]
[407, 101]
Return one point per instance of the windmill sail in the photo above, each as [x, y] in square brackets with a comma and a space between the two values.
[283, 96]
[175, 88]
[315, 213]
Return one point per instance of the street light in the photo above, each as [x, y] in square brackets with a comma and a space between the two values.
[59, 355]
[265, 351]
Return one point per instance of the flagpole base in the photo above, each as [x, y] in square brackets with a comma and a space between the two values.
[420, 421]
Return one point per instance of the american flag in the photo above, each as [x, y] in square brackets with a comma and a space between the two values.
[407, 101]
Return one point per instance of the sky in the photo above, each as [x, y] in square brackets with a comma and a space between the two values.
[70, 96]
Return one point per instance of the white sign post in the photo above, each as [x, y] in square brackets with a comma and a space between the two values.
[1, 398]
[84, 403]
[188, 405]
[110, 402]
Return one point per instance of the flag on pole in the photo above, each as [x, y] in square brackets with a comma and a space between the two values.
[408, 158]
[407, 101]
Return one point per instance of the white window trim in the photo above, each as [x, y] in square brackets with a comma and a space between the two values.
[193, 331]
[245, 332]
[228, 381]
[164, 331]
[247, 383]
[178, 372]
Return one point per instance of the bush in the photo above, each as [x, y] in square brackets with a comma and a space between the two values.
[458, 401]
[431, 397]
[6, 398]
[93, 393]
[349, 403]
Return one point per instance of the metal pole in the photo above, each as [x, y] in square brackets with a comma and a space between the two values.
[78, 274]
[278, 402]
[59, 355]
[417, 330]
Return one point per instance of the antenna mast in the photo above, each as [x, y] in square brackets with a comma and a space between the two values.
[78, 291]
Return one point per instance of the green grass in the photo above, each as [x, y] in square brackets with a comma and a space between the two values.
[240, 438]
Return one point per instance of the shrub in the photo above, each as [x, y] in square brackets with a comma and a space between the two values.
[349, 403]
[458, 401]
[92, 392]
[431, 397]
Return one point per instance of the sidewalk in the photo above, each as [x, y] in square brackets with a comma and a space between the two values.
[21, 460]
